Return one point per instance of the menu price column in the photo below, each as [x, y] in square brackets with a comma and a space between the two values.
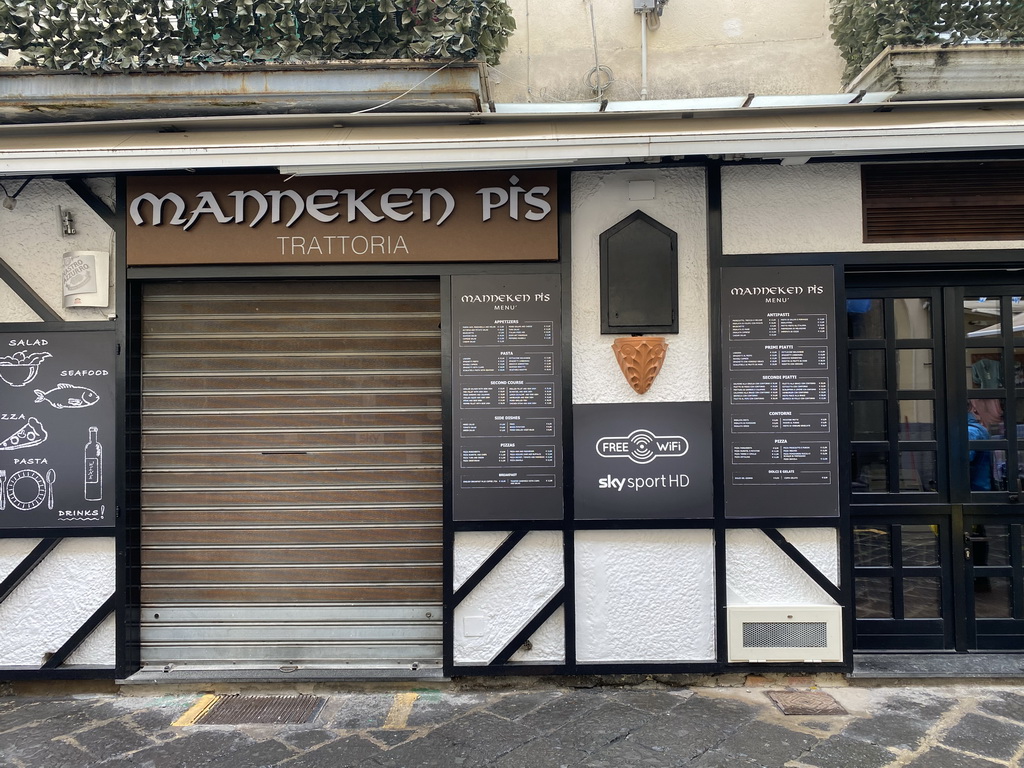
[779, 372]
[507, 391]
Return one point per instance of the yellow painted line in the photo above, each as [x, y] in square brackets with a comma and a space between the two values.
[398, 717]
[197, 710]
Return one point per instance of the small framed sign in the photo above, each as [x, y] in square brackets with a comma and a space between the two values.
[639, 461]
[57, 415]
[639, 277]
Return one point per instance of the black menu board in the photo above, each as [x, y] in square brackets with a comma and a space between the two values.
[778, 360]
[57, 416]
[507, 390]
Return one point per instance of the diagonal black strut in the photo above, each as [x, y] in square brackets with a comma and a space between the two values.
[531, 627]
[806, 565]
[488, 565]
[62, 653]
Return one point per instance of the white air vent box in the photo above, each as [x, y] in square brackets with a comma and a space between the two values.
[800, 633]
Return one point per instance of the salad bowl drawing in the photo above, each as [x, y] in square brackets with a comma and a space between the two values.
[22, 367]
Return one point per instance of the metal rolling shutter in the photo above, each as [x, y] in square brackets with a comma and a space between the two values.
[291, 481]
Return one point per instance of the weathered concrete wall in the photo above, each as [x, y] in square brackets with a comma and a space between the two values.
[715, 48]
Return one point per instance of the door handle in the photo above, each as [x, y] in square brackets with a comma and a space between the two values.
[1013, 498]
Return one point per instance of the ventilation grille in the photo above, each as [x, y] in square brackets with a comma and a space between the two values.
[778, 633]
[937, 202]
[774, 634]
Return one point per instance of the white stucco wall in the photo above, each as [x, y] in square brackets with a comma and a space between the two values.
[624, 578]
[805, 209]
[759, 573]
[547, 645]
[55, 599]
[712, 48]
[642, 595]
[97, 649]
[600, 200]
[645, 596]
[31, 243]
[12, 552]
[471, 549]
[512, 594]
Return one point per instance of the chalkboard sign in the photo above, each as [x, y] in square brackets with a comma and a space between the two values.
[57, 409]
[506, 359]
[779, 370]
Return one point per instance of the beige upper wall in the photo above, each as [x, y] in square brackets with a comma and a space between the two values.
[806, 209]
[702, 49]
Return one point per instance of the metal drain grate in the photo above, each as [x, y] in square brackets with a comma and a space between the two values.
[258, 710]
[806, 703]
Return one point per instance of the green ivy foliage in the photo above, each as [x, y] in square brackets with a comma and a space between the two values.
[864, 28]
[105, 35]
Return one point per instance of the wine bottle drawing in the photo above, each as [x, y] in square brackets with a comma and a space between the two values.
[93, 467]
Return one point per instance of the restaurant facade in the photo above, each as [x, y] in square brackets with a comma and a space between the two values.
[658, 399]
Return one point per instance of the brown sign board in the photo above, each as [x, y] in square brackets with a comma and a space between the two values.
[394, 218]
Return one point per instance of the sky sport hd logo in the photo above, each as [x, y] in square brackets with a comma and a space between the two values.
[642, 446]
[632, 462]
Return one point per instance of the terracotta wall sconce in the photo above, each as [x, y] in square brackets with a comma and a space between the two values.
[640, 358]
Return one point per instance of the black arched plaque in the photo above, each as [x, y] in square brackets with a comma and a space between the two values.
[639, 277]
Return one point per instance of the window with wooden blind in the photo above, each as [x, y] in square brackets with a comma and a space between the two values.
[935, 202]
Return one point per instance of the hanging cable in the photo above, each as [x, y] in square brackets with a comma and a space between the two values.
[10, 200]
[599, 78]
[643, 55]
[405, 93]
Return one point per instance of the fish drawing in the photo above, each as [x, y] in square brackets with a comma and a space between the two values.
[68, 396]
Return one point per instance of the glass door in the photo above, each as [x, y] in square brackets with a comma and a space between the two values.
[993, 374]
[935, 473]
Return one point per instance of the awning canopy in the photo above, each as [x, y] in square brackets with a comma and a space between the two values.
[791, 133]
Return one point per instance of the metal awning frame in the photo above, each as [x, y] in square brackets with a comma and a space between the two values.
[379, 143]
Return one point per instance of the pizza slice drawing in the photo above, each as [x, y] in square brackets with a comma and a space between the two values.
[31, 433]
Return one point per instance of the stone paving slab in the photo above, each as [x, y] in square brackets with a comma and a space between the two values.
[537, 725]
